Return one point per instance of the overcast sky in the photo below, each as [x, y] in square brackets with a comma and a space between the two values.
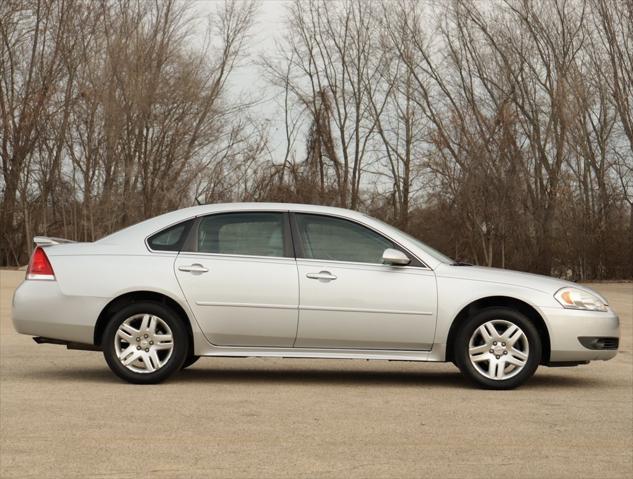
[247, 81]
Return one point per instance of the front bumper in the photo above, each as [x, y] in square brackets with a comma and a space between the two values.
[567, 326]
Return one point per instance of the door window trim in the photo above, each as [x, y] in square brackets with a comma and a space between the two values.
[300, 254]
[291, 238]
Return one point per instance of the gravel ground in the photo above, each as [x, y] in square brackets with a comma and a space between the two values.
[63, 414]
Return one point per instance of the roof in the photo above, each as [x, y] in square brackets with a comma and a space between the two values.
[131, 239]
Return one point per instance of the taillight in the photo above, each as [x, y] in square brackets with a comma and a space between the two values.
[39, 266]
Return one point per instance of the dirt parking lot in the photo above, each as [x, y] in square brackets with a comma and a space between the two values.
[63, 414]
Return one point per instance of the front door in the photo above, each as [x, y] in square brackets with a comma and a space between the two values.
[241, 279]
[349, 299]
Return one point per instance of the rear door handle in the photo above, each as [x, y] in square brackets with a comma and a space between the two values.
[193, 268]
[322, 275]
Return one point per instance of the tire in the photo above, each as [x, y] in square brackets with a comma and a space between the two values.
[147, 325]
[506, 348]
[191, 359]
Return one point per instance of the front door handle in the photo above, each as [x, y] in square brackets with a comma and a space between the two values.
[322, 275]
[193, 268]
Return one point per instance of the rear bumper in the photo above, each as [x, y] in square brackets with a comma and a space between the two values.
[569, 328]
[68, 344]
[40, 309]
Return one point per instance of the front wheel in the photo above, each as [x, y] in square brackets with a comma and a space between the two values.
[145, 342]
[191, 359]
[498, 348]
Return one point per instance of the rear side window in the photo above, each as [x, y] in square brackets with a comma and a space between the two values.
[256, 234]
[170, 239]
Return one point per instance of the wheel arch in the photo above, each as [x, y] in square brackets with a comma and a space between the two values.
[504, 302]
[131, 297]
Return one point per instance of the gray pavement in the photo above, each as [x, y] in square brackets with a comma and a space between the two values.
[63, 414]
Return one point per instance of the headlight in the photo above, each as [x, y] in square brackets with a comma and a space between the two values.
[574, 298]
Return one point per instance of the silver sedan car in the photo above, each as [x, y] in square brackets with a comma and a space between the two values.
[300, 281]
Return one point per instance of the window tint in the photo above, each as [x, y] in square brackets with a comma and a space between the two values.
[329, 238]
[170, 239]
[259, 234]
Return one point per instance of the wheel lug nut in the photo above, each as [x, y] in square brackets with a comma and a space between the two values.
[492, 350]
[494, 343]
[146, 336]
[138, 347]
[505, 352]
[503, 344]
[138, 339]
[147, 350]
[498, 356]
[151, 342]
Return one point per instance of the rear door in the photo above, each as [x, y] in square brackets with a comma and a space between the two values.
[239, 276]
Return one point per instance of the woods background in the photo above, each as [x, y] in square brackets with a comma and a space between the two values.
[499, 132]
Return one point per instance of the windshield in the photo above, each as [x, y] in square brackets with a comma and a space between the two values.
[426, 248]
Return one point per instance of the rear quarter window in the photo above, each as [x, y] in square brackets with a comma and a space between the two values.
[170, 239]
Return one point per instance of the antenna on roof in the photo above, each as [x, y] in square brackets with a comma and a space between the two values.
[197, 201]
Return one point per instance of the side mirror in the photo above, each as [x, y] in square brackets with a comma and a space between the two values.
[395, 257]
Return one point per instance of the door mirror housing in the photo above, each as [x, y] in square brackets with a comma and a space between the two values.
[395, 257]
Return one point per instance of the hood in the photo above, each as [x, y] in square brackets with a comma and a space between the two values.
[544, 284]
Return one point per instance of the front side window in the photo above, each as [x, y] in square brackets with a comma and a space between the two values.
[170, 239]
[329, 238]
[257, 234]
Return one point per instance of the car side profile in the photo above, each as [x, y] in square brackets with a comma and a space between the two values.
[286, 280]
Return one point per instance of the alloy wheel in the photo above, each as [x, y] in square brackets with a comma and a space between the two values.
[144, 343]
[498, 349]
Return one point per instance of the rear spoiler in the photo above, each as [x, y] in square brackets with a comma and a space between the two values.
[49, 241]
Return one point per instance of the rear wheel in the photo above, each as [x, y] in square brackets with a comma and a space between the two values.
[498, 348]
[145, 342]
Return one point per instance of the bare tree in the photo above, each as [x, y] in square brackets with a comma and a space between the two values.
[499, 132]
[613, 61]
[328, 50]
[32, 36]
[401, 125]
[108, 115]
